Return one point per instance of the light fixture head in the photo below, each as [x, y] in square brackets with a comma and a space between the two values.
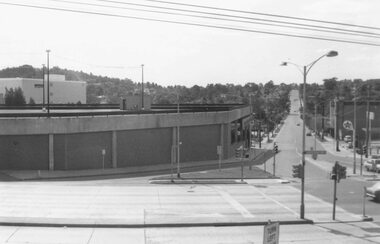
[332, 54]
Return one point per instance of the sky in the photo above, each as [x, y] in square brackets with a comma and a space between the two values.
[176, 54]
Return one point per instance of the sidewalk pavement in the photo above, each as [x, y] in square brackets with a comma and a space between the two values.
[329, 145]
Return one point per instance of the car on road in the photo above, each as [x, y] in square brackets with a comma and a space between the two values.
[308, 133]
[373, 191]
[298, 124]
[372, 165]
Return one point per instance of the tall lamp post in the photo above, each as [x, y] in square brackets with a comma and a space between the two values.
[142, 87]
[43, 86]
[48, 84]
[305, 70]
[178, 139]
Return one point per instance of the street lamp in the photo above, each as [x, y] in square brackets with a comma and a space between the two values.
[304, 72]
[142, 87]
[48, 84]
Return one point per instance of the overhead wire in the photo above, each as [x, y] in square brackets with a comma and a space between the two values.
[192, 24]
[235, 16]
[266, 14]
[372, 35]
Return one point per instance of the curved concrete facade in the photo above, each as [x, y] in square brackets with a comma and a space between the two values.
[64, 143]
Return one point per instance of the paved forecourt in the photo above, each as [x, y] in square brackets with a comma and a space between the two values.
[65, 204]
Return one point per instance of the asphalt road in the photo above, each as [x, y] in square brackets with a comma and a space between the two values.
[317, 182]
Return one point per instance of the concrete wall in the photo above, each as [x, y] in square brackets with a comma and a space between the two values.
[199, 143]
[144, 147]
[82, 151]
[24, 152]
[130, 140]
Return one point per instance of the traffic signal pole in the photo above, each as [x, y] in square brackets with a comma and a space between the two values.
[334, 200]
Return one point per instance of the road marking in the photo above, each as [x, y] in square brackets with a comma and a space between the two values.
[235, 204]
[275, 201]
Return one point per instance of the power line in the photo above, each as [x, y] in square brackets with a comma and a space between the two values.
[266, 14]
[193, 24]
[235, 16]
[372, 35]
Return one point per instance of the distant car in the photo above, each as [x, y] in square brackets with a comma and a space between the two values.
[308, 133]
[347, 139]
[349, 145]
[372, 165]
[298, 124]
[373, 191]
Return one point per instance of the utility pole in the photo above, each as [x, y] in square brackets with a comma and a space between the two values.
[354, 131]
[336, 125]
[142, 87]
[315, 126]
[178, 139]
[48, 84]
[367, 122]
[323, 121]
[43, 86]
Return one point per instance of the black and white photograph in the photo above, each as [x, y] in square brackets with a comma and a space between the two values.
[189, 121]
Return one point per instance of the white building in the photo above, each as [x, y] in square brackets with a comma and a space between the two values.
[61, 90]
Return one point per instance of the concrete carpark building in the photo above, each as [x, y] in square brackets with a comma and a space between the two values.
[61, 90]
[124, 140]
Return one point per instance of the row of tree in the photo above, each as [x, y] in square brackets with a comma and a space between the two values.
[332, 89]
[270, 102]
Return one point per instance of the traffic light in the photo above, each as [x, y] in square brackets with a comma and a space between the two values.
[342, 172]
[275, 148]
[338, 172]
[238, 152]
[297, 171]
[364, 150]
[334, 172]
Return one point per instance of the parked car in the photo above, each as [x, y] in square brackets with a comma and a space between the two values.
[308, 133]
[347, 138]
[372, 165]
[373, 191]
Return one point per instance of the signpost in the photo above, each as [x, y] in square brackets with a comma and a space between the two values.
[219, 152]
[271, 233]
[314, 153]
[103, 154]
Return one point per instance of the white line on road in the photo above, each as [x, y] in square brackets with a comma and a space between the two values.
[235, 204]
[275, 201]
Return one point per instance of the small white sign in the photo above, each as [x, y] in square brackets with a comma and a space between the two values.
[371, 115]
[271, 233]
[103, 151]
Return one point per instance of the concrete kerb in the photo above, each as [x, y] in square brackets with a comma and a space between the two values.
[160, 225]
[197, 181]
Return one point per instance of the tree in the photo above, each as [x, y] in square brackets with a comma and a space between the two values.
[31, 101]
[14, 97]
